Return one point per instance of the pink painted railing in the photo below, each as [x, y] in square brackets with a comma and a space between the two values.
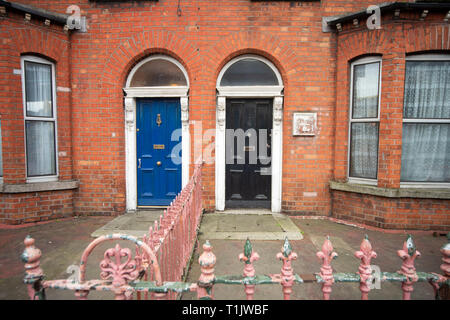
[162, 256]
[174, 236]
[123, 279]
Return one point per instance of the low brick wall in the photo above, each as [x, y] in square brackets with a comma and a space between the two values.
[392, 213]
[18, 208]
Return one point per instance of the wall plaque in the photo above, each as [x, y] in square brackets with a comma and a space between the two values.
[304, 124]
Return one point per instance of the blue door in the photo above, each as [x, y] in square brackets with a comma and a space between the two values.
[158, 171]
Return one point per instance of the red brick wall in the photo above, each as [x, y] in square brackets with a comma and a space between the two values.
[393, 42]
[204, 38]
[21, 208]
[392, 213]
[19, 37]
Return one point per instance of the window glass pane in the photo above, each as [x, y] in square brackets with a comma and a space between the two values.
[38, 89]
[40, 148]
[158, 72]
[1, 152]
[249, 72]
[364, 150]
[365, 90]
[426, 152]
[427, 89]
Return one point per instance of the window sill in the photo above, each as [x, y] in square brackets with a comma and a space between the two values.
[39, 186]
[42, 179]
[424, 193]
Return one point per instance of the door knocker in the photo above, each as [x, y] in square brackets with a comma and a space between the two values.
[158, 119]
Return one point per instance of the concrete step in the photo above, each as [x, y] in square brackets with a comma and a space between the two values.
[255, 224]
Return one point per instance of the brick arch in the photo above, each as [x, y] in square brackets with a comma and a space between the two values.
[129, 53]
[360, 44]
[258, 43]
[426, 37]
[39, 42]
[411, 38]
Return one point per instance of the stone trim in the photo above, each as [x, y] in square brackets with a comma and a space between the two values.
[39, 186]
[424, 193]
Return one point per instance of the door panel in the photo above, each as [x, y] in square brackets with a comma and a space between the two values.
[248, 179]
[158, 177]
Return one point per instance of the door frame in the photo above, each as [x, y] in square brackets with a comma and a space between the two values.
[274, 92]
[131, 94]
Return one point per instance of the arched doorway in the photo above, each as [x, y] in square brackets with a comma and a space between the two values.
[249, 102]
[156, 117]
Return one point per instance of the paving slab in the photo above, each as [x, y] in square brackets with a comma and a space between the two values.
[254, 224]
[135, 224]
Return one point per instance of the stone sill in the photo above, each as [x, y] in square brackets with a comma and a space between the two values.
[423, 193]
[39, 186]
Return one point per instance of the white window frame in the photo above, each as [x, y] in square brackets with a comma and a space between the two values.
[366, 60]
[424, 57]
[49, 119]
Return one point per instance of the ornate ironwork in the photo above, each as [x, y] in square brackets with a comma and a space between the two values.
[408, 254]
[365, 254]
[326, 271]
[287, 273]
[248, 257]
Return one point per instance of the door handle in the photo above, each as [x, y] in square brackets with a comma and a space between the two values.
[139, 160]
[158, 163]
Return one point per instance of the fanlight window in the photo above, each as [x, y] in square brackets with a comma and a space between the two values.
[249, 72]
[158, 73]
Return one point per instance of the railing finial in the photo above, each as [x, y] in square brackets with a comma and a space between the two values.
[249, 270]
[207, 261]
[326, 272]
[287, 273]
[365, 270]
[31, 256]
[408, 254]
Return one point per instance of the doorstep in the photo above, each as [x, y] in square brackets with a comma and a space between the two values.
[254, 224]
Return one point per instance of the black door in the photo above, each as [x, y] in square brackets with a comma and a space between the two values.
[248, 153]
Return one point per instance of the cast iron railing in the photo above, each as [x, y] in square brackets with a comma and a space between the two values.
[123, 278]
[163, 254]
